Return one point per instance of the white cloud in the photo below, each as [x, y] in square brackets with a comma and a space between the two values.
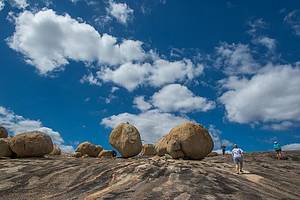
[2, 4]
[178, 98]
[141, 104]
[91, 79]
[272, 95]
[120, 11]
[281, 126]
[21, 4]
[291, 147]
[216, 137]
[48, 41]
[268, 42]
[256, 25]
[159, 73]
[236, 59]
[293, 20]
[17, 124]
[147, 123]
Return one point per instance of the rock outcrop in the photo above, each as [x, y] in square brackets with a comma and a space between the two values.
[148, 150]
[126, 139]
[106, 154]
[90, 149]
[56, 150]
[3, 132]
[31, 144]
[188, 140]
[5, 150]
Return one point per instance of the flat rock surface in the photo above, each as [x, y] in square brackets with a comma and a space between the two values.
[62, 177]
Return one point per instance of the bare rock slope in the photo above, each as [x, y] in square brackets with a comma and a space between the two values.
[61, 177]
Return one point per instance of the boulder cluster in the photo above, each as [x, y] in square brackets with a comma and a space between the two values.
[186, 141]
[28, 144]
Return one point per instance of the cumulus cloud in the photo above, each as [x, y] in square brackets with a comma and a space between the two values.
[2, 4]
[48, 41]
[236, 59]
[270, 96]
[17, 124]
[147, 123]
[120, 11]
[90, 79]
[268, 42]
[158, 73]
[21, 4]
[291, 147]
[293, 20]
[216, 137]
[141, 104]
[178, 98]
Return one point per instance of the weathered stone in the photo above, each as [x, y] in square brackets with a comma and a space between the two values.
[126, 139]
[5, 150]
[212, 154]
[148, 150]
[188, 140]
[31, 144]
[90, 149]
[56, 150]
[3, 132]
[106, 154]
[77, 154]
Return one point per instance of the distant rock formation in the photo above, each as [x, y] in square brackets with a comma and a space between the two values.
[5, 150]
[31, 144]
[188, 140]
[3, 132]
[148, 150]
[126, 139]
[89, 149]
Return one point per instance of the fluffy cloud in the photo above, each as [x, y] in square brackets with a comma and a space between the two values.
[291, 147]
[268, 42]
[236, 59]
[90, 79]
[156, 74]
[1, 4]
[272, 95]
[141, 104]
[20, 4]
[178, 98]
[16, 124]
[293, 20]
[48, 41]
[147, 123]
[120, 11]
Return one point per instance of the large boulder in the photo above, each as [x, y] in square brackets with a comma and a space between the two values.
[5, 150]
[3, 132]
[31, 144]
[56, 150]
[88, 148]
[188, 140]
[107, 154]
[148, 150]
[126, 139]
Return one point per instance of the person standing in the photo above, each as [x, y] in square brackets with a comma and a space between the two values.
[223, 147]
[237, 155]
[277, 149]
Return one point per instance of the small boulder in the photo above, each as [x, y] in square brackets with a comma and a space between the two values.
[56, 150]
[5, 150]
[107, 154]
[31, 144]
[148, 150]
[126, 139]
[77, 154]
[3, 132]
[188, 140]
[212, 154]
[88, 148]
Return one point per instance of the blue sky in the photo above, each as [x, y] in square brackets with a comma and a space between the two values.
[76, 68]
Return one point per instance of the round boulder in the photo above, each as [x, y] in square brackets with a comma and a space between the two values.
[90, 149]
[188, 140]
[3, 132]
[5, 150]
[107, 154]
[212, 154]
[148, 150]
[126, 139]
[31, 144]
[56, 150]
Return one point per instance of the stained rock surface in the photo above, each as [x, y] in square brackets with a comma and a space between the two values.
[3, 132]
[61, 177]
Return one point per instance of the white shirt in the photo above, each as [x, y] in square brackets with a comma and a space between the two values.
[237, 152]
